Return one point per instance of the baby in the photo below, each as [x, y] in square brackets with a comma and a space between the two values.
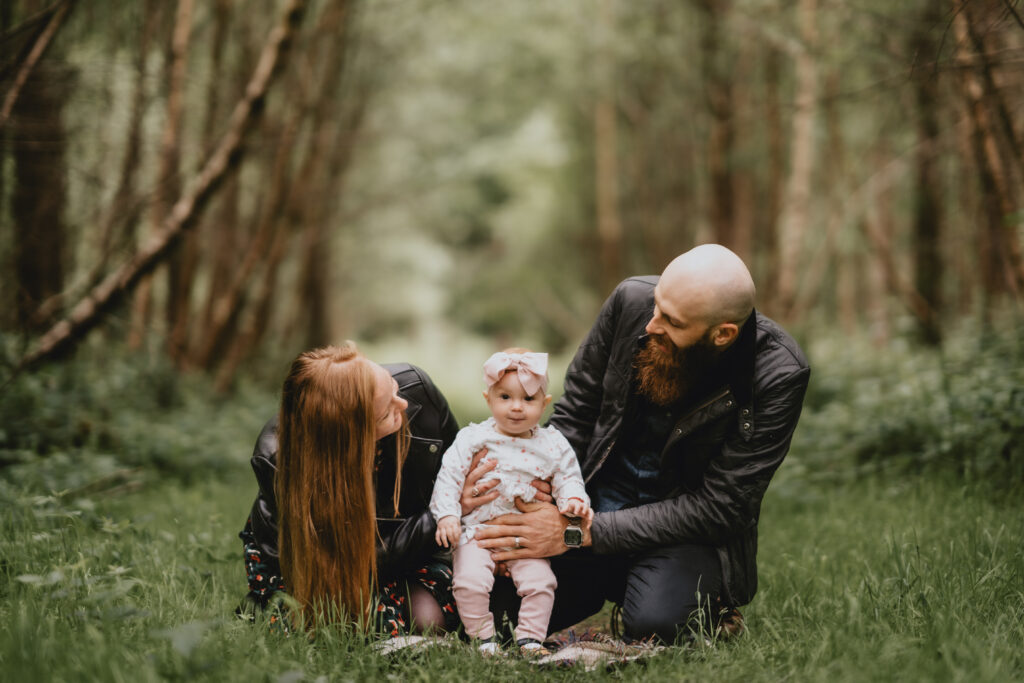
[517, 395]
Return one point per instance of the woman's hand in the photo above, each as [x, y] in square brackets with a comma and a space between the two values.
[475, 494]
[447, 531]
[537, 532]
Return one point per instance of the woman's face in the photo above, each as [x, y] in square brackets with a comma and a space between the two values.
[388, 406]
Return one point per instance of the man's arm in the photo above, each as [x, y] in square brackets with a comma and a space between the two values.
[728, 503]
[576, 412]
[730, 499]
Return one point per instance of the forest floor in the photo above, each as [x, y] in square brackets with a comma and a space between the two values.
[917, 579]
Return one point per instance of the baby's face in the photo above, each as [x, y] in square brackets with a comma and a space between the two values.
[515, 412]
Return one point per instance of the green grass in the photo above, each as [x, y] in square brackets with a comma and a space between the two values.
[891, 548]
[901, 581]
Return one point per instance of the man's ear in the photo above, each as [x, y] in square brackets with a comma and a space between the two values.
[725, 334]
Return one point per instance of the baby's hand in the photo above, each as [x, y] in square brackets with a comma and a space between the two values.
[447, 531]
[577, 508]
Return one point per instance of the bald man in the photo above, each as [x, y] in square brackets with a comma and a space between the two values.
[680, 404]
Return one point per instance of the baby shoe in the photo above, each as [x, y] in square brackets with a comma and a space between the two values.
[531, 647]
[489, 647]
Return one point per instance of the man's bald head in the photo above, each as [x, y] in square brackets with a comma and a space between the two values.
[709, 283]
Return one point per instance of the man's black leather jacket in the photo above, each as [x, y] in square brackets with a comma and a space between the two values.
[405, 542]
[720, 455]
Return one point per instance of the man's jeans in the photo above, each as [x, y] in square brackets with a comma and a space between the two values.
[663, 592]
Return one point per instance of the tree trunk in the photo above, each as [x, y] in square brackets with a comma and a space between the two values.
[719, 91]
[606, 155]
[224, 158]
[1001, 260]
[1011, 151]
[222, 230]
[21, 79]
[878, 231]
[8, 315]
[228, 307]
[38, 144]
[168, 180]
[119, 220]
[337, 124]
[259, 320]
[823, 261]
[928, 180]
[766, 230]
[795, 219]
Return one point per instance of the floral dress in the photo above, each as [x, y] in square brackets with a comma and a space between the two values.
[391, 608]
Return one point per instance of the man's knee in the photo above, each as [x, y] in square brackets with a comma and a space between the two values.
[669, 592]
[667, 624]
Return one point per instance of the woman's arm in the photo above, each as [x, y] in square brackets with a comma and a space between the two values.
[404, 544]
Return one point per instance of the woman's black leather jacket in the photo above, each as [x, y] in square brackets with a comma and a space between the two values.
[404, 542]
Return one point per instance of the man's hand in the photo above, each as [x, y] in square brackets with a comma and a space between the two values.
[543, 487]
[537, 532]
[447, 531]
[577, 508]
[475, 494]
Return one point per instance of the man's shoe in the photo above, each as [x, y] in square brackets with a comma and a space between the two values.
[730, 623]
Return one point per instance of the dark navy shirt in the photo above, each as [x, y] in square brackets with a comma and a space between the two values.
[633, 474]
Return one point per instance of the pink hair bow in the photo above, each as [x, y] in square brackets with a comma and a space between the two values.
[532, 369]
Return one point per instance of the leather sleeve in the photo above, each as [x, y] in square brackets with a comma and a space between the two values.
[405, 544]
[263, 515]
[729, 500]
[577, 411]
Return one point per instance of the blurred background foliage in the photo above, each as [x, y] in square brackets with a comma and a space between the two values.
[438, 179]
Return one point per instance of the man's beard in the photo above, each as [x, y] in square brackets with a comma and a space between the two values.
[667, 377]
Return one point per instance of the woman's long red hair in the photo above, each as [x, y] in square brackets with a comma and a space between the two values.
[324, 484]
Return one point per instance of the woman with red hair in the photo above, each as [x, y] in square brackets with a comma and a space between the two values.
[345, 472]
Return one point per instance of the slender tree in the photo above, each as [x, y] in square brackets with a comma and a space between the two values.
[606, 151]
[795, 214]
[719, 91]
[928, 213]
[168, 181]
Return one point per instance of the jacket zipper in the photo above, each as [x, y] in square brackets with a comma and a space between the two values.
[600, 463]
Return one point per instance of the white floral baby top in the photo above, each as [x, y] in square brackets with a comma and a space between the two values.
[545, 454]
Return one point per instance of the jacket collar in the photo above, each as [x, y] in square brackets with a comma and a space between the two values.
[737, 363]
[414, 407]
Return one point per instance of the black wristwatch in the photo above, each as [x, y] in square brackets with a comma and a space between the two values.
[573, 534]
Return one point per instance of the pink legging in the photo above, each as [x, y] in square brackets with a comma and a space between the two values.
[474, 577]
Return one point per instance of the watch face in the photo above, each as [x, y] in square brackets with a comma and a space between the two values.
[573, 537]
